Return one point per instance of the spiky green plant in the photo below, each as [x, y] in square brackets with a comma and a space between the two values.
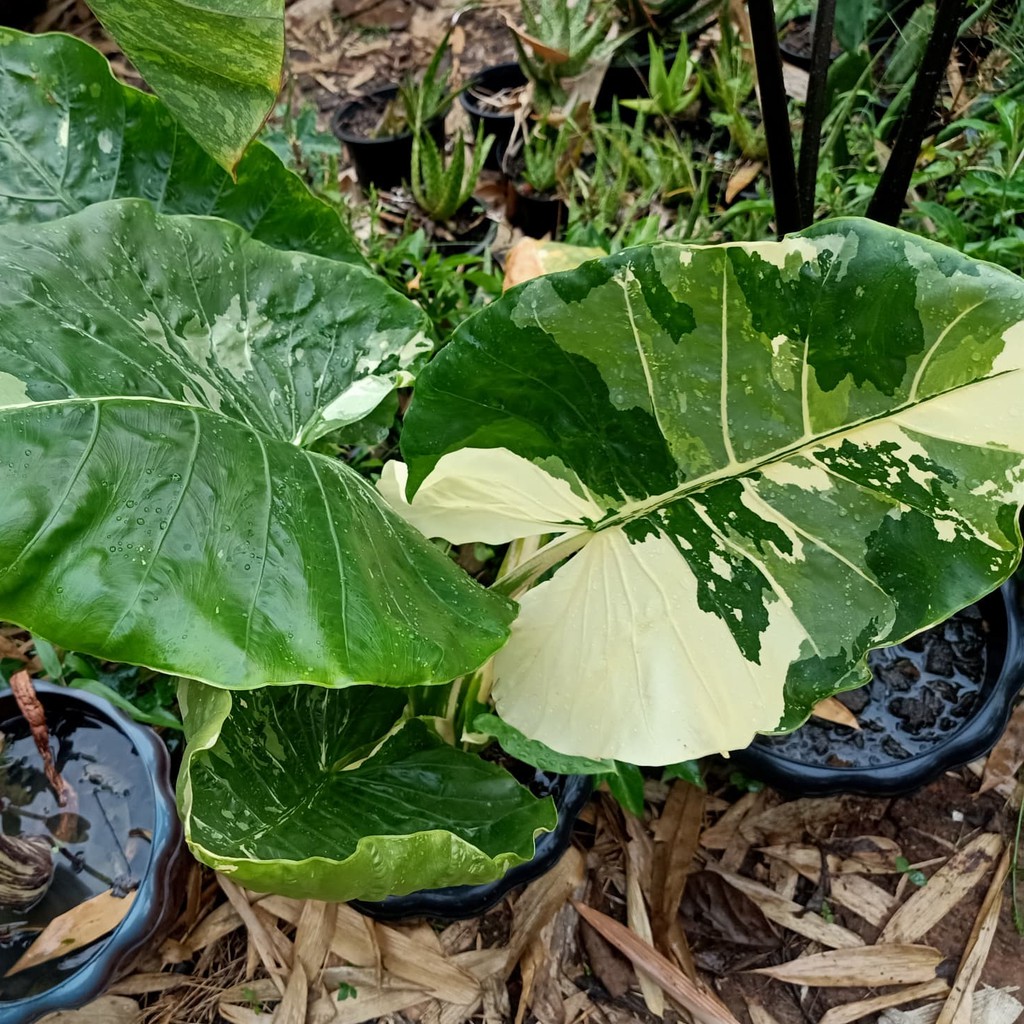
[440, 188]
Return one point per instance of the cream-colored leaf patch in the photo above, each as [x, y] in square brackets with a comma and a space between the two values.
[488, 495]
[613, 658]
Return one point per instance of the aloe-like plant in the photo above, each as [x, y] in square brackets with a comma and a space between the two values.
[441, 189]
[672, 90]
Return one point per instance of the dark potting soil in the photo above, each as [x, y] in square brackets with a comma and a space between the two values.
[109, 835]
[376, 117]
[921, 691]
[798, 37]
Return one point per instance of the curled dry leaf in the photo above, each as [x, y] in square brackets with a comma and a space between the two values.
[1007, 756]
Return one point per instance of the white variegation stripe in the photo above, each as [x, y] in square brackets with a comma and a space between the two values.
[488, 495]
[636, 670]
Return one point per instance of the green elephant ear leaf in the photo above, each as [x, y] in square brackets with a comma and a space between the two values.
[216, 64]
[769, 458]
[161, 381]
[325, 794]
[71, 135]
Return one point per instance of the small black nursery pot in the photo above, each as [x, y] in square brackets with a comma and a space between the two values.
[535, 214]
[477, 100]
[382, 161]
[124, 836]
[936, 701]
[570, 793]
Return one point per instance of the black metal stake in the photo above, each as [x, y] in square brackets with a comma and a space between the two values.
[815, 109]
[891, 192]
[775, 115]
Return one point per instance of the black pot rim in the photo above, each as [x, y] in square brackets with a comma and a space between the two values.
[155, 893]
[974, 739]
[338, 117]
[457, 902]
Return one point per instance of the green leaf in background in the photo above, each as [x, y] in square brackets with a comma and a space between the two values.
[159, 379]
[321, 794]
[216, 64]
[768, 457]
[71, 135]
[688, 771]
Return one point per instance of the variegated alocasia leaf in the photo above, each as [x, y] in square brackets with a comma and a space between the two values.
[217, 64]
[768, 457]
[72, 135]
[161, 382]
[321, 794]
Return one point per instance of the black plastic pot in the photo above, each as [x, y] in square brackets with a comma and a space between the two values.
[472, 240]
[536, 215]
[86, 730]
[382, 162]
[768, 759]
[456, 902]
[500, 126]
[795, 42]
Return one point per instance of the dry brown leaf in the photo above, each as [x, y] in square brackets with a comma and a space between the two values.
[292, 1008]
[958, 1007]
[792, 822]
[991, 1006]
[219, 922]
[719, 835]
[530, 258]
[790, 914]
[313, 935]
[758, 1013]
[74, 929]
[539, 47]
[1007, 756]
[864, 855]
[608, 965]
[147, 982]
[944, 890]
[105, 1010]
[831, 709]
[243, 1014]
[702, 1005]
[742, 176]
[676, 839]
[864, 898]
[365, 944]
[866, 967]
[850, 1012]
[639, 922]
[540, 901]
[713, 910]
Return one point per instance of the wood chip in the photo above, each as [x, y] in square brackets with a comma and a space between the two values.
[929, 904]
[74, 929]
[1007, 756]
[959, 1005]
[701, 1004]
[759, 1014]
[866, 967]
[850, 1012]
[147, 983]
[790, 914]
